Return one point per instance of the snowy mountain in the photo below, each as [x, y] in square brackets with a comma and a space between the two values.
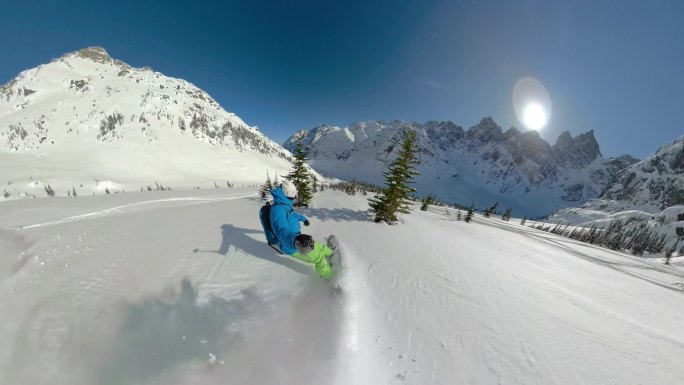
[651, 190]
[88, 122]
[482, 165]
[653, 184]
[95, 291]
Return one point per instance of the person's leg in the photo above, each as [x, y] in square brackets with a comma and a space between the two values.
[317, 257]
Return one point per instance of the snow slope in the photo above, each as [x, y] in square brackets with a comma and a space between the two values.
[87, 122]
[179, 288]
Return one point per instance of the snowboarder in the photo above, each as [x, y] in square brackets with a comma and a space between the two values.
[284, 224]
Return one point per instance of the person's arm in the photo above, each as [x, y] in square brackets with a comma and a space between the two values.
[302, 218]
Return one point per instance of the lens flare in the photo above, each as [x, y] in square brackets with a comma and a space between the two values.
[532, 103]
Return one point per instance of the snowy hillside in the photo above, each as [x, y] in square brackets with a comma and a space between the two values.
[650, 192]
[653, 184]
[480, 165]
[88, 122]
[180, 288]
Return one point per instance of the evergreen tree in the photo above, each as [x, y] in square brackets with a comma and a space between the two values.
[470, 213]
[395, 197]
[458, 215]
[266, 187]
[300, 176]
[488, 213]
[426, 202]
[507, 215]
[522, 222]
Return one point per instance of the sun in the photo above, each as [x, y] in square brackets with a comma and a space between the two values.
[534, 116]
[532, 103]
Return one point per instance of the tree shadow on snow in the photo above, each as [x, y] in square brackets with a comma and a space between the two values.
[239, 238]
[337, 215]
[157, 334]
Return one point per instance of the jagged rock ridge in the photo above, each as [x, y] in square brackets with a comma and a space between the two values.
[482, 164]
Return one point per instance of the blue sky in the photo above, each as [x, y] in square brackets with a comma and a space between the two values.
[611, 66]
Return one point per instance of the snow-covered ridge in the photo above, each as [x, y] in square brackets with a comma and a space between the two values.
[654, 183]
[483, 164]
[87, 116]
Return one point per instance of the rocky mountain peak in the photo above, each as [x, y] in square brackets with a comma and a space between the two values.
[96, 54]
[564, 140]
[578, 151]
[511, 132]
[486, 131]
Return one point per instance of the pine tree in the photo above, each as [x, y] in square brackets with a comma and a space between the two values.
[458, 215]
[266, 187]
[394, 198]
[488, 213]
[426, 202]
[300, 176]
[470, 213]
[522, 222]
[507, 215]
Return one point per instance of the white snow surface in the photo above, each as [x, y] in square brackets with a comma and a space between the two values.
[180, 288]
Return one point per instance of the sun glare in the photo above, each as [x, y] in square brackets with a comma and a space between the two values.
[532, 103]
[534, 116]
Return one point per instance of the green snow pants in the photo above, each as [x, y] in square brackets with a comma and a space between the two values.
[317, 257]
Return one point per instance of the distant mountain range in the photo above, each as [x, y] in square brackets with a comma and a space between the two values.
[484, 164]
[88, 123]
[88, 120]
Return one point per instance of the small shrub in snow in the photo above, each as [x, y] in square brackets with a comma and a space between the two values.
[470, 214]
[507, 215]
[109, 123]
[488, 213]
[426, 202]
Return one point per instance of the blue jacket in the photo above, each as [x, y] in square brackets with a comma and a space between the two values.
[285, 221]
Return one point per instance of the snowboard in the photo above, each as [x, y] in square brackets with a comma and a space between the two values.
[335, 260]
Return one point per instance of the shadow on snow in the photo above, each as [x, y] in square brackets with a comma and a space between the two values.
[337, 215]
[238, 238]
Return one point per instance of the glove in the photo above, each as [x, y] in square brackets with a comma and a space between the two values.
[306, 222]
[304, 243]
